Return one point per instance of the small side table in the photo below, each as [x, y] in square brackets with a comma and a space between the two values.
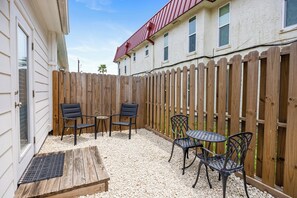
[101, 122]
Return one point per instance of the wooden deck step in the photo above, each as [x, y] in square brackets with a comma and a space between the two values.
[84, 173]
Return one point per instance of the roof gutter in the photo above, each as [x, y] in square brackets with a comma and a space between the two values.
[64, 15]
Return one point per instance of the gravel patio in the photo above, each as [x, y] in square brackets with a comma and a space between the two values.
[139, 167]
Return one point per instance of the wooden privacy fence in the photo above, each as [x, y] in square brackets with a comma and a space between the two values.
[97, 95]
[256, 93]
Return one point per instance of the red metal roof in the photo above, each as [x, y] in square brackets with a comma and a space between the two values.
[171, 11]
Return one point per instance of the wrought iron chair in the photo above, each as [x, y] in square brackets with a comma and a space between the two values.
[129, 111]
[179, 126]
[230, 162]
[71, 113]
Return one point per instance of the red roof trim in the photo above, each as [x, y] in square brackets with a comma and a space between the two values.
[171, 11]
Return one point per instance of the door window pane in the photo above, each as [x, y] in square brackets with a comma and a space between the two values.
[224, 35]
[192, 34]
[23, 86]
[224, 20]
[192, 43]
[166, 47]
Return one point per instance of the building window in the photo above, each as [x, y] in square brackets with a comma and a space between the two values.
[134, 56]
[146, 50]
[192, 34]
[224, 20]
[125, 69]
[119, 71]
[290, 10]
[166, 47]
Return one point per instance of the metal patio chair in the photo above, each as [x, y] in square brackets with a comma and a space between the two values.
[128, 111]
[230, 162]
[71, 113]
[179, 126]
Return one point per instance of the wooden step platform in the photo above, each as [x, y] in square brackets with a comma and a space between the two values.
[83, 173]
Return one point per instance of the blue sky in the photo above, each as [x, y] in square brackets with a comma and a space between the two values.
[98, 27]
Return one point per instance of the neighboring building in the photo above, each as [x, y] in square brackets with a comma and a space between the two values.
[32, 44]
[188, 32]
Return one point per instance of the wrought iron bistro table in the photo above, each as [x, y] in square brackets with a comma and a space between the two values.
[206, 136]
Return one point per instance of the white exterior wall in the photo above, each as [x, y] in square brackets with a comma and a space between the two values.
[252, 23]
[40, 74]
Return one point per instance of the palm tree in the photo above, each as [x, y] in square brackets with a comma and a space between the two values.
[102, 69]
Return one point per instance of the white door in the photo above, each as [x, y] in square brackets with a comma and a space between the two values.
[23, 95]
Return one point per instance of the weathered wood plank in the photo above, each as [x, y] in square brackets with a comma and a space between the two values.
[61, 100]
[290, 173]
[167, 116]
[235, 94]
[185, 91]
[151, 100]
[271, 114]
[172, 93]
[90, 172]
[78, 168]
[158, 101]
[155, 102]
[251, 109]
[98, 164]
[67, 179]
[192, 97]
[200, 96]
[221, 98]
[210, 96]
[162, 129]
[178, 91]
[55, 103]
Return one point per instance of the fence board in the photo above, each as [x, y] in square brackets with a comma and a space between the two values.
[56, 102]
[283, 103]
[200, 92]
[235, 94]
[271, 114]
[147, 99]
[151, 101]
[172, 93]
[210, 96]
[192, 98]
[178, 90]
[290, 176]
[155, 101]
[162, 103]
[61, 100]
[167, 117]
[222, 89]
[185, 90]
[89, 99]
[251, 109]
[158, 100]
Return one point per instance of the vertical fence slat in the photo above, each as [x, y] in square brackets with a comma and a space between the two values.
[155, 101]
[192, 97]
[222, 89]
[251, 108]
[162, 103]
[235, 94]
[185, 90]
[55, 103]
[200, 96]
[147, 100]
[89, 98]
[172, 93]
[290, 174]
[158, 100]
[271, 115]
[178, 90]
[167, 117]
[151, 101]
[210, 95]
[61, 100]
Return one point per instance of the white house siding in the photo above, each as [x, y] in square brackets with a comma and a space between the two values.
[6, 149]
[252, 23]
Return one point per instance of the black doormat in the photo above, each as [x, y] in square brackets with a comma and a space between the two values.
[44, 167]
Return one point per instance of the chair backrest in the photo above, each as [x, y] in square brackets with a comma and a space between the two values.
[237, 147]
[129, 109]
[71, 110]
[179, 126]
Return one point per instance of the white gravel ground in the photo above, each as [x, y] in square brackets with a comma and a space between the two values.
[139, 167]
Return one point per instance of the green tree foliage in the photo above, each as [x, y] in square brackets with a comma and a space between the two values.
[102, 69]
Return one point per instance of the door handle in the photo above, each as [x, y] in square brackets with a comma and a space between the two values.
[18, 104]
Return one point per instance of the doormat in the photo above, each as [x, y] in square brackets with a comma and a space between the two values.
[44, 167]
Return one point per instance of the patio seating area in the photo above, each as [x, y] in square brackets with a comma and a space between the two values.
[139, 167]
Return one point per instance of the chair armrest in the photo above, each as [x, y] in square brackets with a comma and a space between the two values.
[206, 152]
[133, 116]
[115, 115]
[89, 116]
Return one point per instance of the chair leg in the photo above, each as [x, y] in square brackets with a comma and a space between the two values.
[184, 161]
[244, 182]
[110, 124]
[75, 133]
[130, 131]
[135, 127]
[224, 181]
[171, 151]
[198, 172]
[206, 169]
[62, 133]
[120, 129]
[80, 131]
[96, 128]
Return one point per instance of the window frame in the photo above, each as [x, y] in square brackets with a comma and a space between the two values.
[166, 36]
[284, 27]
[218, 44]
[195, 33]
[134, 56]
[146, 51]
